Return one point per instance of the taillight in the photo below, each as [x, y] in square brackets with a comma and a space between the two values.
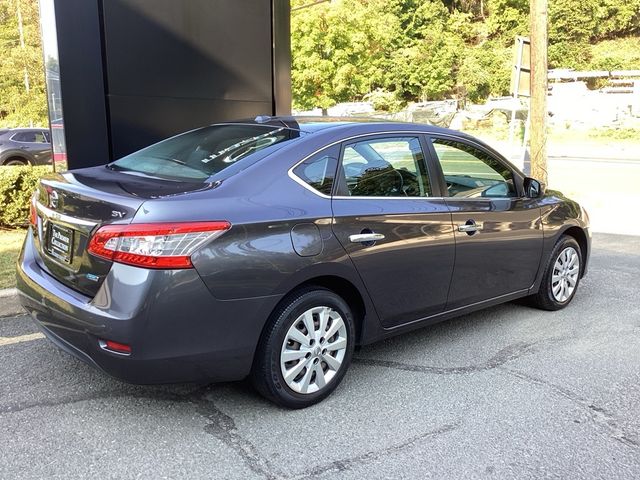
[154, 245]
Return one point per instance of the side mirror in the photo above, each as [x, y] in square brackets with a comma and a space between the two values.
[533, 188]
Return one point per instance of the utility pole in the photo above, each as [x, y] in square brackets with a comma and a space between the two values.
[538, 106]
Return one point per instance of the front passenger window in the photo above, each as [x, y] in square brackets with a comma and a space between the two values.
[386, 167]
[470, 172]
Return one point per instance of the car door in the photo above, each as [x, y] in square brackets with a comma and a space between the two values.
[41, 147]
[33, 143]
[498, 231]
[398, 235]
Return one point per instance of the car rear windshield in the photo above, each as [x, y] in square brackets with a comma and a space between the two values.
[199, 154]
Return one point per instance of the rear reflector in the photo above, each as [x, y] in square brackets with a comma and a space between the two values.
[33, 213]
[116, 347]
[154, 245]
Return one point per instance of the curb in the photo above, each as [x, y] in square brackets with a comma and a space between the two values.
[9, 304]
[8, 292]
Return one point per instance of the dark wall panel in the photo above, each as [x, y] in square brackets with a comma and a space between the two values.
[140, 121]
[172, 66]
[193, 49]
[82, 82]
[136, 71]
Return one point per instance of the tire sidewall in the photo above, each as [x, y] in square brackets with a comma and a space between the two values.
[560, 247]
[285, 320]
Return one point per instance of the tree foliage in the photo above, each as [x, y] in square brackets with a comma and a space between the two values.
[19, 107]
[405, 50]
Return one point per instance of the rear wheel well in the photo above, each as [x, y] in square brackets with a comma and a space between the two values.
[346, 290]
[578, 234]
[18, 158]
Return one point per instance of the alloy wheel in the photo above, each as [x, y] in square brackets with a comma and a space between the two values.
[565, 274]
[313, 350]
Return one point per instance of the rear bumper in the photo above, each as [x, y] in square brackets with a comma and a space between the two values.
[177, 330]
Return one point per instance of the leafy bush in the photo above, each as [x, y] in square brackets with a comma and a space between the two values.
[16, 187]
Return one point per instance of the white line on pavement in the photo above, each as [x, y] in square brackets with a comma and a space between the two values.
[4, 341]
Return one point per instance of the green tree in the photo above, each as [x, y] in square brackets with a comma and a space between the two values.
[22, 91]
[430, 49]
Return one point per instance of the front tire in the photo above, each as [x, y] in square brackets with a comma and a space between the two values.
[561, 277]
[305, 350]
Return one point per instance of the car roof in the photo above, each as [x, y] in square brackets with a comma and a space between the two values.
[312, 124]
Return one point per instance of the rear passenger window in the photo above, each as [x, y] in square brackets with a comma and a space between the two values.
[386, 167]
[29, 137]
[319, 171]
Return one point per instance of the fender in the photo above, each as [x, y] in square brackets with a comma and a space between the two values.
[557, 219]
[14, 152]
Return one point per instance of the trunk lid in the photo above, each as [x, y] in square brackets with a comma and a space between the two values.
[72, 205]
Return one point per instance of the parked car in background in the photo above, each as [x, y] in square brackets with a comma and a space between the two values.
[272, 248]
[25, 146]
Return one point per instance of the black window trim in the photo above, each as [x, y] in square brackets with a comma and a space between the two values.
[436, 177]
[518, 177]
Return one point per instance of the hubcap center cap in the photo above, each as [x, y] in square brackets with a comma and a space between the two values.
[316, 351]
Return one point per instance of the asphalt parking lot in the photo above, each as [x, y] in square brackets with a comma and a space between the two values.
[510, 392]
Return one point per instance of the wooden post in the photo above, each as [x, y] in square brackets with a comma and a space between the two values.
[538, 107]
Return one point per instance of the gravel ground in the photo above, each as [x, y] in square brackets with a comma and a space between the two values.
[509, 392]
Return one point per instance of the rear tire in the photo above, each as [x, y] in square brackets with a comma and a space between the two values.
[561, 277]
[305, 349]
[15, 161]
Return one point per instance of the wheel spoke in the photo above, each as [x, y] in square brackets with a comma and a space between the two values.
[555, 278]
[339, 344]
[571, 281]
[324, 319]
[297, 336]
[557, 288]
[306, 379]
[307, 319]
[293, 372]
[291, 355]
[332, 362]
[320, 380]
[335, 326]
[573, 260]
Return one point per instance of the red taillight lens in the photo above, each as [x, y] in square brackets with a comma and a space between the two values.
[154, 245]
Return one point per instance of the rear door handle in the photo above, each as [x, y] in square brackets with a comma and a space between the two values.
[366, 237]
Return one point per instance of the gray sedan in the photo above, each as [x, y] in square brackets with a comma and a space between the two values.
[270, 248]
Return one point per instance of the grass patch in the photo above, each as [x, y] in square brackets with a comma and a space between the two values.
[10, 244]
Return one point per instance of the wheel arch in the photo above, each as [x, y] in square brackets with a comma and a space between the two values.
[345, 283]
[15, 156]
[579, 235]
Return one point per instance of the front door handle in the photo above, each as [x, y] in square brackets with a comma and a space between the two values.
[366, 237]
[470, 227]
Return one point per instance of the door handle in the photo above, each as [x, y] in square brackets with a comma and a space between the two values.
[470, 227]
[366, 237]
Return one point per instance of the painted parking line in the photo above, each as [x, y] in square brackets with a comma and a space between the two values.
[4, 341]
